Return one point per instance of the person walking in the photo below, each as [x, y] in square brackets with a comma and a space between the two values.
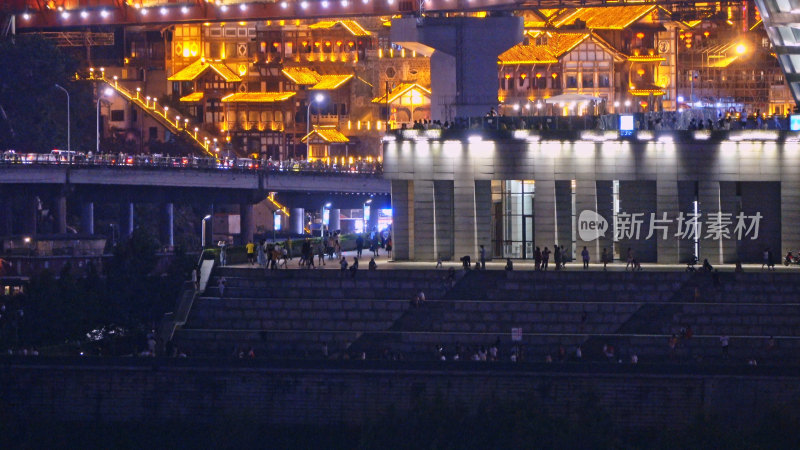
[537, 259]
[630, 260]
[321, 253]
[389, 248]
[585, 256]
[260, 256]
[223, 253]
[605, 259]
[483, 257]
[221, 287]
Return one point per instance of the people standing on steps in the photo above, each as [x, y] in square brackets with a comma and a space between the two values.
[545, 258]
[605, 257]
[359, 245]
[372, 264]
[483, 257]
[261, 252]
[537, 259]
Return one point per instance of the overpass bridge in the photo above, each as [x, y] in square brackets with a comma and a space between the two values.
[28, 187]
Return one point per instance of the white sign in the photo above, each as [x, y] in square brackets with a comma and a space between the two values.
[516, 334]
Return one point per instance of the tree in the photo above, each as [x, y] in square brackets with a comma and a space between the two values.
[33, 112]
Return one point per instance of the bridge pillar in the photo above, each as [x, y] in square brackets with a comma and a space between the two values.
[167, 216]
[372, 223]
[248, 222]
[60, 209]
[463, 55]
[30, 212]
[335, 222]
[87, 218]
[125, 220]
[297, 220]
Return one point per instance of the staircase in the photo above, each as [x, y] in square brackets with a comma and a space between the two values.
[203, 140]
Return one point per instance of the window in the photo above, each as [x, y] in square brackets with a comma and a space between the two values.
[587, 80]
[572, 81]
[117, 115]
[603, 81]
[153, 132]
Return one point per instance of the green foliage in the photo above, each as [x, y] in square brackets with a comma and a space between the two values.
[33, 112]
[130, 297]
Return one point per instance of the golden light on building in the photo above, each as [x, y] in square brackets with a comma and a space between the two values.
[640, 35]
[740, 49]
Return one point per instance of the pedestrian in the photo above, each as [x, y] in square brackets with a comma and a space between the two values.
[557, 257]
[439, 262]
[223, 253]
[221, 287]
[537, 259]
[765, 262]
[343, 264]
[585, 256]
[372, 264]
[321, 253]
[289, 245]
[545, 258]
[389, 248]
[483, 258]
[353, 267]
[605, 258]
[359, 245]
[260, 257]
[630, 260]
[770, 260]
[509, 265]
[564, 257]
[251, 252]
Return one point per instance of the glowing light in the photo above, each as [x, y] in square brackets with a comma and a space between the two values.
[324, 3]
[640, 35]
[344, 3]
[163, 11]
[223, 8]
[26, 16]
[184, 9]
[627, 103]
[284, 5]
[304, 5]
[144, 12]
[84, 14]
[243, 7]
[740, 49]
[104, 14]
[65, 15]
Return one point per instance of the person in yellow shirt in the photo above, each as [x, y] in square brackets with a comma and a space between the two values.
[251, 252]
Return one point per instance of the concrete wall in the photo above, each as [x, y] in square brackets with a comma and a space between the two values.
[664, 172]
[355, 392]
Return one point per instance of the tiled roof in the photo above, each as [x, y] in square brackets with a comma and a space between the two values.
[257, 97]
[350, 25]
[557, 45]
[193, 97]
[608, 18]
[197, 68]
[331, 82]
[328, 134]
[302, 75]
[399, 90]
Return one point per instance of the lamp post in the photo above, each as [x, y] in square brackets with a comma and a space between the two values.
[107, 92]
[319, 98]
[69, 144]
[203, 229]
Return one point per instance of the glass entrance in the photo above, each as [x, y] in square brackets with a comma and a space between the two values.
[517, 232]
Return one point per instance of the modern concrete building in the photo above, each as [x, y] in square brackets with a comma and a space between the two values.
[511, 191]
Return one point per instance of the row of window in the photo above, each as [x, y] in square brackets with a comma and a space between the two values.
[586, 80]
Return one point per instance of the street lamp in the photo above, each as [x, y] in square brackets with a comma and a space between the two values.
[107, 92]
[319, 98]
[203, 229]
[69, 144]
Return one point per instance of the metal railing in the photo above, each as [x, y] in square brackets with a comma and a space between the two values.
[187, 162]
